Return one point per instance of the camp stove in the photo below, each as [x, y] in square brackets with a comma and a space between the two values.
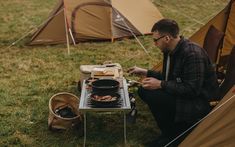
[123, 105]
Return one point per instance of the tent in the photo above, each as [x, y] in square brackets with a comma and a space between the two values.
[223, 21]
[93, 20]
[218, 129]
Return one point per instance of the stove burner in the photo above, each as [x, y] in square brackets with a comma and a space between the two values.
[122, 104]
[115, 104]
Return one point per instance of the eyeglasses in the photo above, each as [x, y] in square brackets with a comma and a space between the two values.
[157, 39]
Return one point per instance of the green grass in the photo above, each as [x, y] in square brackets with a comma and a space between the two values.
[31, 75]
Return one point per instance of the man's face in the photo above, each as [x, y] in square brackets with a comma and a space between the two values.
[160, 41]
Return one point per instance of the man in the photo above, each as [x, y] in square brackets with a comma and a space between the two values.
[179, 96]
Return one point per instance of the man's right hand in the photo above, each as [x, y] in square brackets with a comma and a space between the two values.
[137, 70]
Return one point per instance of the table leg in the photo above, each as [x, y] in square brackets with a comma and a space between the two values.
[124, 115]
[84, 141]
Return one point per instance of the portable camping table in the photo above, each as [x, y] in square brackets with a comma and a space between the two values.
[123, 105]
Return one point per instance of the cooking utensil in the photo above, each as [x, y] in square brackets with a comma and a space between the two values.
[105, 85]
[133, 83]
[104, 99]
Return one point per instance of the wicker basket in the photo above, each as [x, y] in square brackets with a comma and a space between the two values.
[61, 100]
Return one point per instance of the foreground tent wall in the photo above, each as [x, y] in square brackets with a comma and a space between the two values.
[218, 129]
[90, 20]
[225, 22]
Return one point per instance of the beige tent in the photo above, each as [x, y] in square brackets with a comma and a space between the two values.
[225, 22]
[90, 20]
[218, 129]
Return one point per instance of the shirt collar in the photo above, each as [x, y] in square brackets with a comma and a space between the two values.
[177, 46]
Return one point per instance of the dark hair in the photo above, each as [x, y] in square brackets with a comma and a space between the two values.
[166, 26]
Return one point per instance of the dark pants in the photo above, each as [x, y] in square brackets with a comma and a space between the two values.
[163, 107]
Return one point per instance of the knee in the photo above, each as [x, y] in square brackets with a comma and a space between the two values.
[155, 96]
[142, 93]
[146, 95]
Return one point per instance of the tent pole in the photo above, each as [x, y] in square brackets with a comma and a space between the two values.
[111, 23]
[66, 32]
[70, 32]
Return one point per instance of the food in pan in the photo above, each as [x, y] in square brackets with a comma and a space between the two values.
[104, 98]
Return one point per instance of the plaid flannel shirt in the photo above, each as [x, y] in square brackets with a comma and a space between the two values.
[192, 80]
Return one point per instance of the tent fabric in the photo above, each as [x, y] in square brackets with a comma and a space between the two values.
[229, 79]
[91, 20]
[223, 21]
[218, 129]
[212, 43]
[138, 12]
[83, 23]
[230, 30]
[47, 31]
[119, 29]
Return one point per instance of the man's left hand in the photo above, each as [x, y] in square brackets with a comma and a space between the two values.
[151, 83]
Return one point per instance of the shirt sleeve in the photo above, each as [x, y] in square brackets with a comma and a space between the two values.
[155, 74]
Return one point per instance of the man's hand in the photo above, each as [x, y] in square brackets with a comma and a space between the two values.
[137, 70]
[151, 83]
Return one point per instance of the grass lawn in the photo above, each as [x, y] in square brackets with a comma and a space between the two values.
[30, 75]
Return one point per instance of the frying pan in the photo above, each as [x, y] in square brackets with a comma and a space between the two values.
[105, 85]
[104, 103]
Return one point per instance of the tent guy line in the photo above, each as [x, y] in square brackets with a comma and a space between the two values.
[26, 34]
[68, 30]
[224, 22]
[130, 30]
[203, 20]
[97, 20]
[23, 36]
[66, 33]
[213, 111]
[182, 13]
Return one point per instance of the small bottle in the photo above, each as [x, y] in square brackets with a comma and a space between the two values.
[132, 102]
[131, 117]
